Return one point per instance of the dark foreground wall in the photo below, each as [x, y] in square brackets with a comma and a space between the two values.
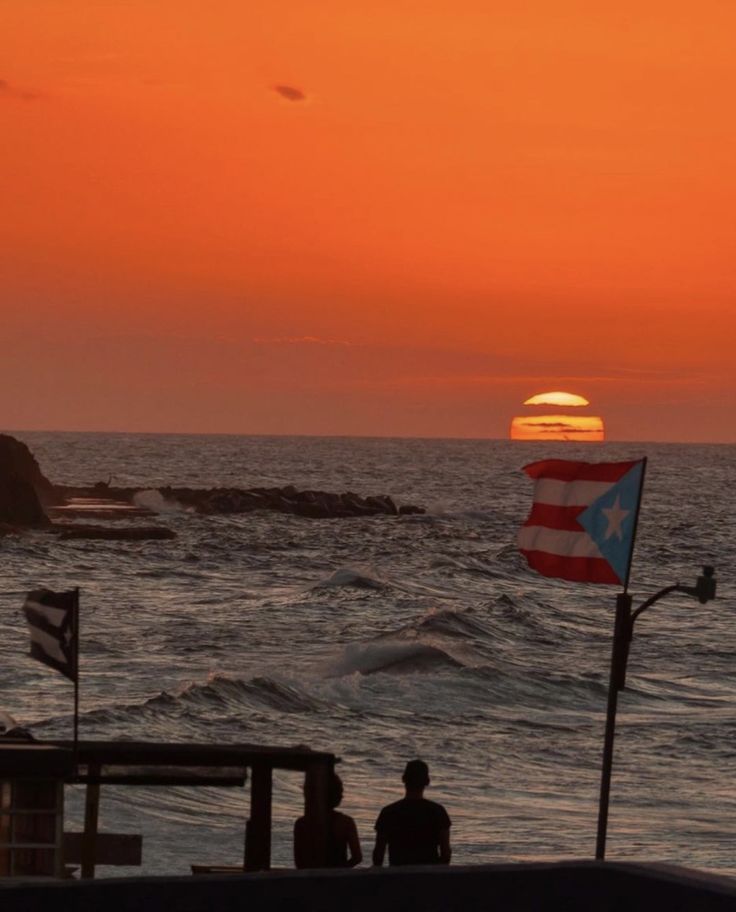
[561, 887]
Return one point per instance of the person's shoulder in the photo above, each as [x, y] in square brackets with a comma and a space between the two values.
[343, 822]
[390, 810]
[342, 819]
[438, 810]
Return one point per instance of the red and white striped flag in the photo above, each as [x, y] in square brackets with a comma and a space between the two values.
[583, 519]
[53, 624]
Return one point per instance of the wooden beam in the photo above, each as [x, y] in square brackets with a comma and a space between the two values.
[59, 831]
[167, 778]
[258, 828]
[146, 753]
[91, 815]
[110, 848]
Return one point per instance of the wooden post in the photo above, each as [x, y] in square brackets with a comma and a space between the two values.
[75, 641]
[59, 831]
[258, 828]
[91, 814]
[316, 811]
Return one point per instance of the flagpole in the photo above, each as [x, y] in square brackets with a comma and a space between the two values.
[616, 681]
[76, 673]
[636, 523]
[622, 631]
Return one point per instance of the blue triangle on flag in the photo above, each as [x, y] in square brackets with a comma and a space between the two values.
[610, 520]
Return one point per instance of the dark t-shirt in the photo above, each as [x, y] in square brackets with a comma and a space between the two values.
[412, 828]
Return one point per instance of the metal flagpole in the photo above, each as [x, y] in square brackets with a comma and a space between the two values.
[622, 631]
[617, 679]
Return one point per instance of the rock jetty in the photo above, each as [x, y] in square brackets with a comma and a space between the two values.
[28, 500]
[314, 504]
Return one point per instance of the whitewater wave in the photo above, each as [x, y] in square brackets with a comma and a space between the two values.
[346, 576]
[155, 501]
[220, 695]
[392, 658]
[226, 691]
[453, 623]
[469, 564]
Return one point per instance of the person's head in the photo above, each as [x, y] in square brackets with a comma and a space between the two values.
[334, 791]
[416, 776]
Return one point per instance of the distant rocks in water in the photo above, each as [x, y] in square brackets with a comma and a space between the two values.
[97, 508]
[23, 488]
[17, 461]
[118, 533]
[19, 504]
[28, 500]
[313, 504]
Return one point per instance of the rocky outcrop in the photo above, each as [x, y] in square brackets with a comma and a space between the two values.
[26, 496]
[19, 503]
[314, 504]
[17, 462]
[23, 487]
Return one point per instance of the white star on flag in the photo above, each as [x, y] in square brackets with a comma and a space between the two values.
[577, 529]
[615, 516]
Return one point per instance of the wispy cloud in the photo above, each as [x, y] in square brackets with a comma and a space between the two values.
[301, 340]
[290, 93]
[555, 426]
[581, 381]
[12, 92]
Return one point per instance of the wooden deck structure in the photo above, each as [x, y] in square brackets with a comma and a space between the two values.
[139, 763]
[32, 778]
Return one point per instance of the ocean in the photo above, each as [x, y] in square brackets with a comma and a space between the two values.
[386, 638]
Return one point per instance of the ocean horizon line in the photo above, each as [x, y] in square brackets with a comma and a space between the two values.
[434, 438]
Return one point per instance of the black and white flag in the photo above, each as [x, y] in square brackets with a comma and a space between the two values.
[52, 620]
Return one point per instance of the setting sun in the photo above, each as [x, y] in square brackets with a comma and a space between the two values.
[557, 398]
[558, 426]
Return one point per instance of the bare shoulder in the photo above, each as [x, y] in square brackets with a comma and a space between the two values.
[343, 823]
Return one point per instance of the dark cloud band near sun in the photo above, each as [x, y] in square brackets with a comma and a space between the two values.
[290, 93]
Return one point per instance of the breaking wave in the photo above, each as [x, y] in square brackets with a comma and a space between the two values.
[155, 501]
[226, 691]
[349, 577]
[393, 658]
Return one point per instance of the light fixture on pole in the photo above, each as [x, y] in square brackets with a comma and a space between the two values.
[704, 590]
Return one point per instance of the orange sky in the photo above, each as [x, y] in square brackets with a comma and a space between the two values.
[474, 202]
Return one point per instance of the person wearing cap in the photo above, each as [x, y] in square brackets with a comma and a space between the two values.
[415, 830]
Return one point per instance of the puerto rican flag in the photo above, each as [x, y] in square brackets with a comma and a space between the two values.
[53, 622]
[583, 519]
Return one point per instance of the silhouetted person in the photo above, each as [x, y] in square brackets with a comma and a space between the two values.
[343, 843]
[416, 831]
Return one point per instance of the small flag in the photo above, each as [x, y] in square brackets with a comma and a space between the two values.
[582, 523]
[52, 620]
